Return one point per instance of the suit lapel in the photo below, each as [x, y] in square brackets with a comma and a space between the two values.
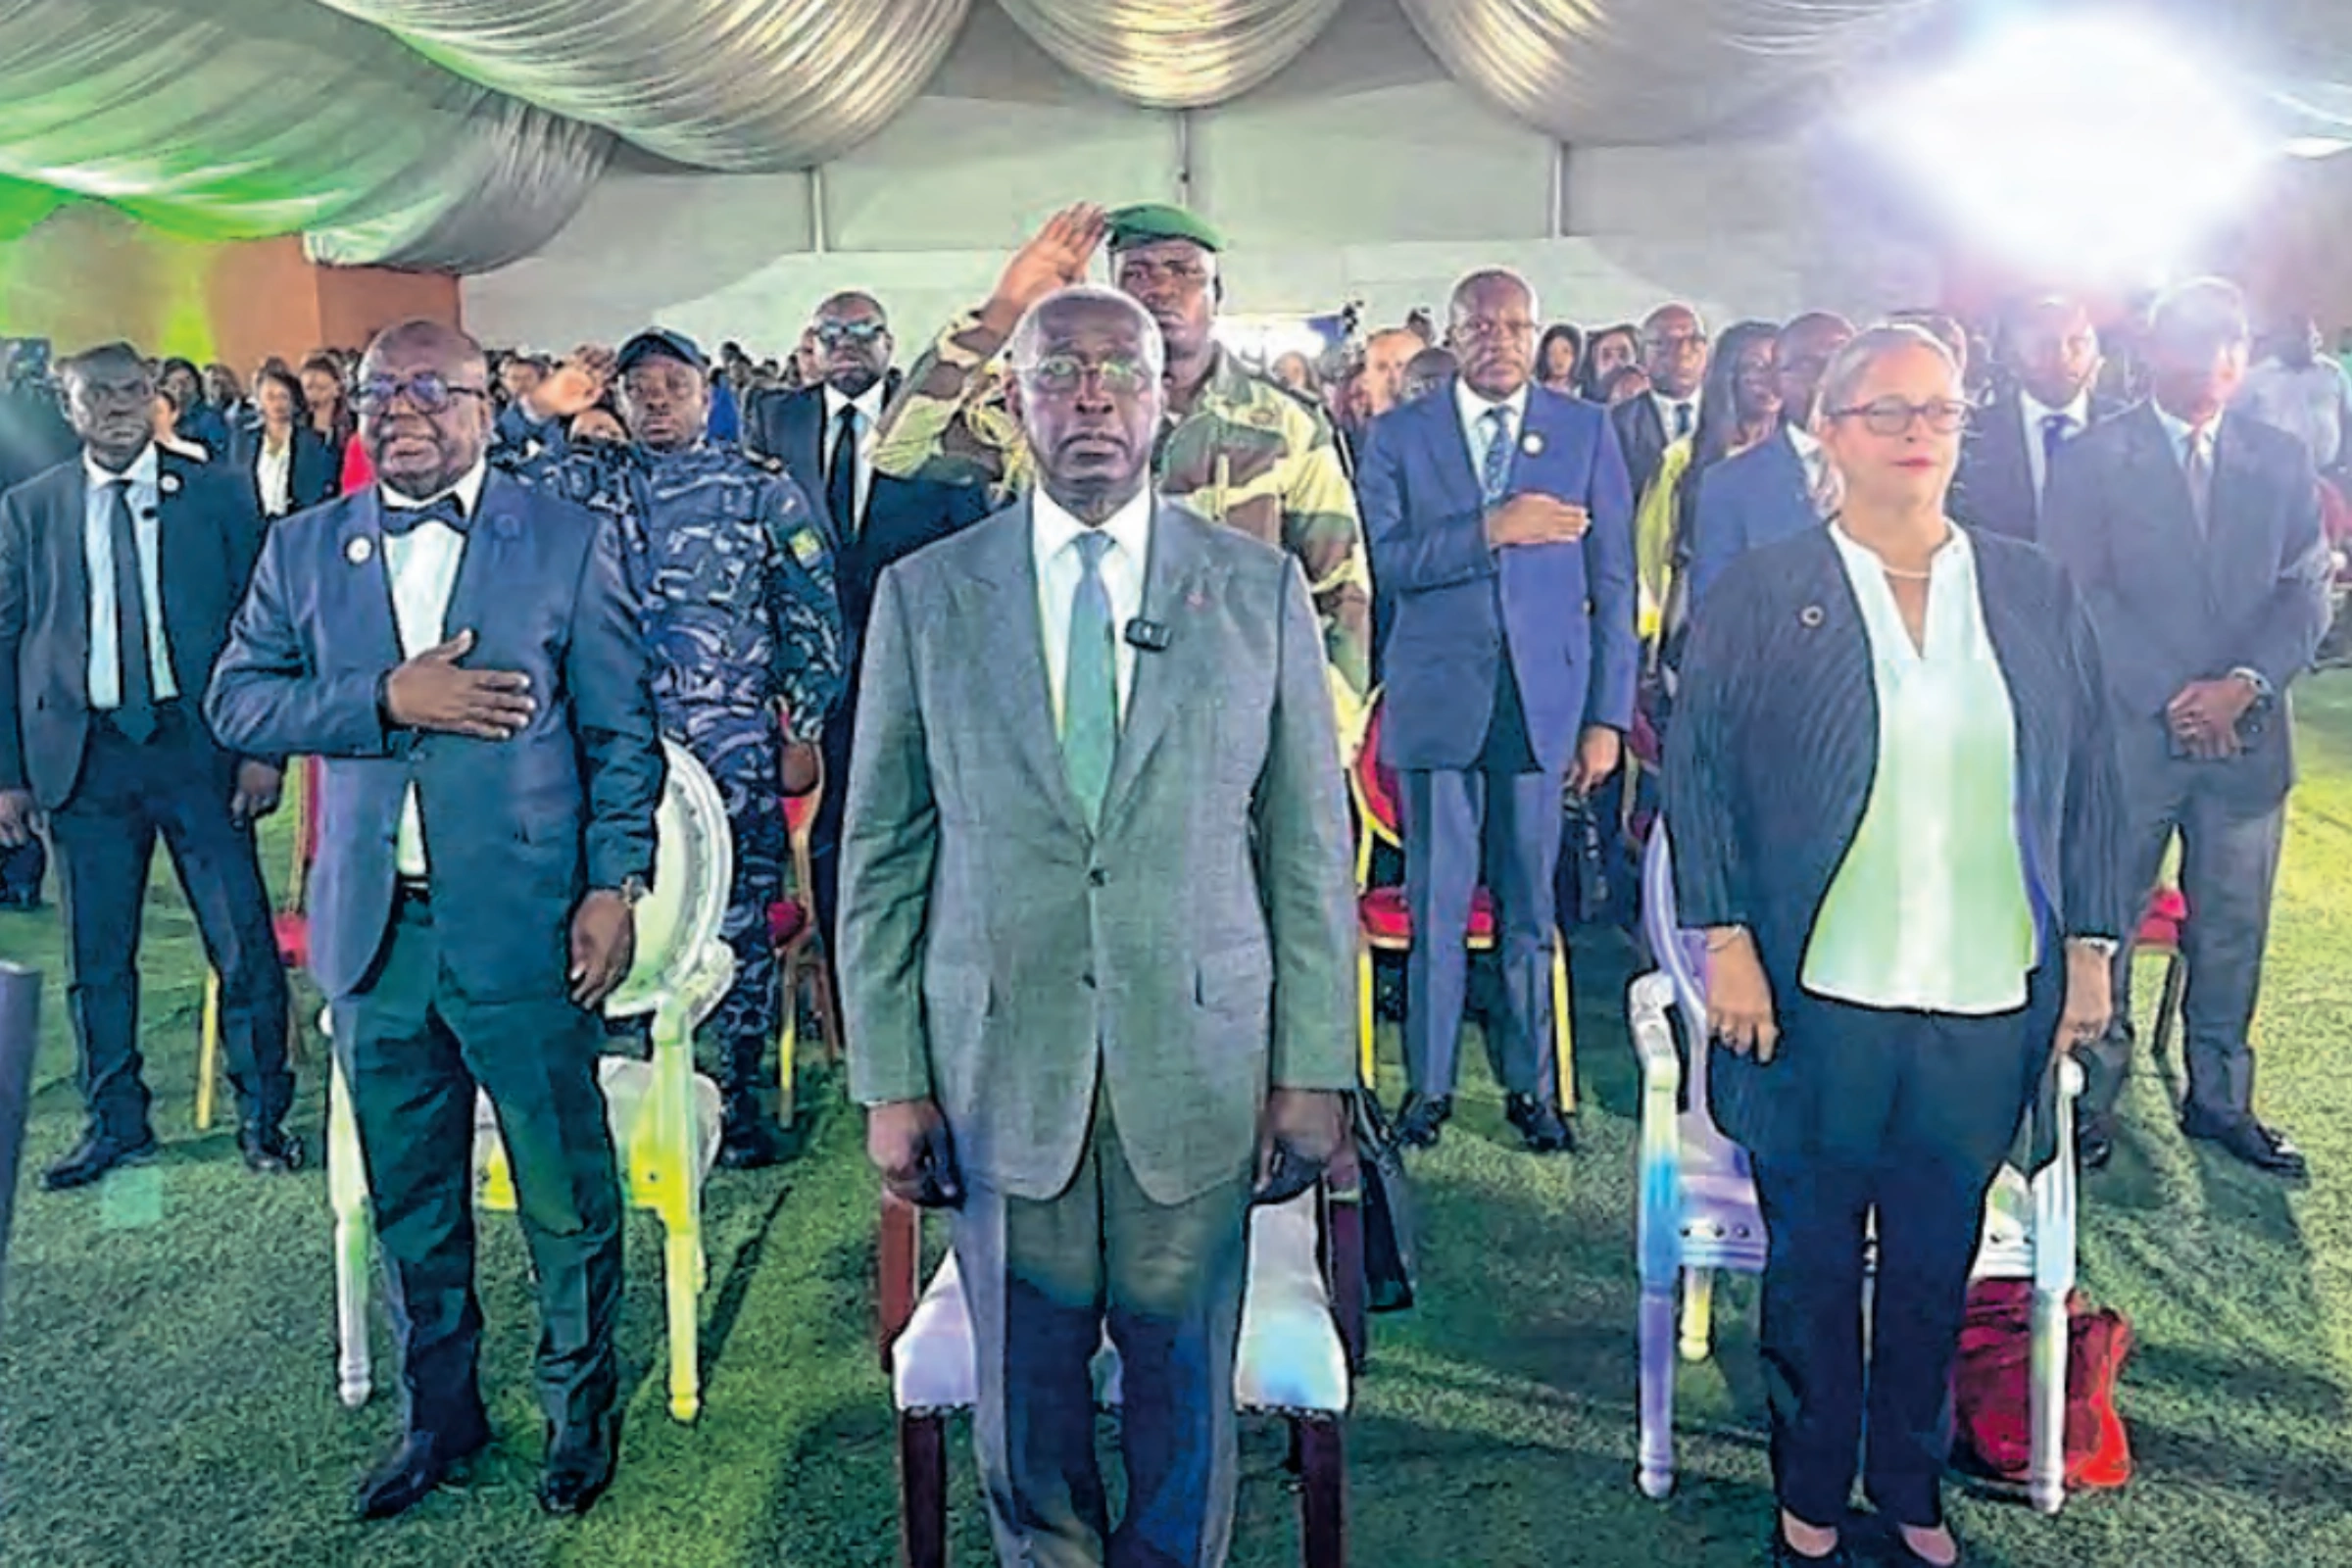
[1003, 591]
[1455, 472]
[366, 579]
[181, 552]
[66, 527]
[491, 543]
[2167, 485]
[1174, 585]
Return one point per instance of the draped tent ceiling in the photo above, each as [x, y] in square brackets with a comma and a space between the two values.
[458, 135]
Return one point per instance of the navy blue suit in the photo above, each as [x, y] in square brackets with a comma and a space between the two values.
[461, 982]
[1754, 499]
[1992, 492]
[2176, 603]
[1498, 661]
[313, 475]
[1769, 771]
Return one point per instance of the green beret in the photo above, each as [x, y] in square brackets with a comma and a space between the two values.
[1148, 223]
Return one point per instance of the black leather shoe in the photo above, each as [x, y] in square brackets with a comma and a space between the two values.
[98, 1154]
[750, 1139]
[1540, 1126]
[579, 1467]
[2266, 1148]
[411, 1472]
[269, 1150]
[1420, 1119]
[2094, 1146]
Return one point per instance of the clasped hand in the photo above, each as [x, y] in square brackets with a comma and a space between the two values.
[1530, 518]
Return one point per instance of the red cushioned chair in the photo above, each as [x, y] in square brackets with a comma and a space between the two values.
[1384, 922]
[2160, 931]
[291, 926]
[792, 928]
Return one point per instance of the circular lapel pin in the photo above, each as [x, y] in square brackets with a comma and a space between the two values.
[358, 550]
[1531, 443]
[1810, 616]
[169, 485]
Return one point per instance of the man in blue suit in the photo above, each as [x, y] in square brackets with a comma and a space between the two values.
[2194, 536]
[2052, 354]
[1772, 490]
[1500, 520]
[463, 653]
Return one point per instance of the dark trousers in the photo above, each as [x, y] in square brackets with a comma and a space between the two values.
[1911, 1115]
[1042, 1280]
[21, 872]
[175, 786]
[413, 1050]
[2228, 867]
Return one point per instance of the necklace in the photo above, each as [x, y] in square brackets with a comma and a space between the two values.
[1900, 575]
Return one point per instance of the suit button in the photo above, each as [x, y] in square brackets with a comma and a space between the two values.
[1087, 979]
[1096, 876]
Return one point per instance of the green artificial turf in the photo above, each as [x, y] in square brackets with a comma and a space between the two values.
[167, 1374]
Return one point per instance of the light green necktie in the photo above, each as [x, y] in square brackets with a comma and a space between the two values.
[1090, 701]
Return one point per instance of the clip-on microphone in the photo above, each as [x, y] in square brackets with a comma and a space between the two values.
[1151, 636]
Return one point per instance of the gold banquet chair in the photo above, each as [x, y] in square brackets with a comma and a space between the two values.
[664, 1115]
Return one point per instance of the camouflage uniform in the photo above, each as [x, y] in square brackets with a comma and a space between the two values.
[1249, 455]
[734, 581]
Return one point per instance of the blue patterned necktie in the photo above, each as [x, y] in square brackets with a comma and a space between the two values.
[1494, 471]
[1090, 701]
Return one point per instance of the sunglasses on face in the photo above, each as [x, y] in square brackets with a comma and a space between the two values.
[1066, 372]
[839, 334]
[1893, 417]
[428, 391]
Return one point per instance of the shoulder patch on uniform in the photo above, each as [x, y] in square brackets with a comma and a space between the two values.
[807, 545]
[762, 460]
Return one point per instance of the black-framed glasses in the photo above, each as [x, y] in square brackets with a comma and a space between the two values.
[428, 391]
[1895, 417]
[1066, 372]
[835, 334]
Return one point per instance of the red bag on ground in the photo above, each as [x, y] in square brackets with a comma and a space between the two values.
[1992, 1396]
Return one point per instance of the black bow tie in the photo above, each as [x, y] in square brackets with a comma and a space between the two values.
[448, 509]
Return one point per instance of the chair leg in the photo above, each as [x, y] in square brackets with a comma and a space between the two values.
[1322, 1491]
[788, 1042]
[1563, 1023]
[207, 1052]
[923, 1490]
[1698, 1313]
[2168, 1007]
[2045, 1474]
[346, 1191]
[1656, 1419]
[1367, 1068]
[828, 1007]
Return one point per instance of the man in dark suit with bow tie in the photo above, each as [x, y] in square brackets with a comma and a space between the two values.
[118, 573]
[1499, 517]
[824, 437]
[2194, 536]
[463, 655]
[2052, 354]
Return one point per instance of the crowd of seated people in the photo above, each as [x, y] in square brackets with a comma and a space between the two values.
[1529, 539]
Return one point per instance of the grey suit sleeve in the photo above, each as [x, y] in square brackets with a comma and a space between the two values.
[607, 672]
[1305, 872]
[890, 841]
[2283, 634]
[265, 698]
[1608, 548]
[15, 560]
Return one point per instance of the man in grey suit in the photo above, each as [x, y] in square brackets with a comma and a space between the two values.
[1097, 921]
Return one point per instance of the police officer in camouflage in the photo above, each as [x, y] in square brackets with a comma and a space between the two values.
[1234, 448]
[735, 585]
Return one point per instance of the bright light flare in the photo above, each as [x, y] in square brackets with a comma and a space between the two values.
[1261, 340]
[2085, 145]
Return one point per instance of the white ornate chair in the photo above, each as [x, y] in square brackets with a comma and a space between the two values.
[664, 1116]
[1697, 1211]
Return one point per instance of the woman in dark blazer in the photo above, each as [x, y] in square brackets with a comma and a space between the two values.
[1895, 807]
[284, 458]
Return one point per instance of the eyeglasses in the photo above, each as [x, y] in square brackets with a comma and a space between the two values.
[1893, 417]
[428, 390]
[836, 334]
[1066, 372]
[1477, 328]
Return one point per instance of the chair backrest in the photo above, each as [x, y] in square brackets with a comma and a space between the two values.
[1374, 783]
[678, 921]
[1683, 959]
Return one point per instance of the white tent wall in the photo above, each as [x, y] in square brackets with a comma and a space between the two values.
[1363, 172]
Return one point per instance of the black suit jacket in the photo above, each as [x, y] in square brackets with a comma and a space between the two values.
[1775, 745]
[1641, 433]
[2176, 604]
[1992, 490]
[519, 829]
[208, 532]
[315, 471]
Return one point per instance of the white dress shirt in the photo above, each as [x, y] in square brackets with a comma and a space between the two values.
[1818, 483]
[1054, 536]
[273, 475]
[869, 404]
[2035, 415]
[2179, 432]
[422, 566]
[1929, 911]
[105, 673]
[1478, 432]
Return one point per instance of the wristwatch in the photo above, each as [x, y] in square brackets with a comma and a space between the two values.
[2255, 678]
[632, 890]
[2104, 946]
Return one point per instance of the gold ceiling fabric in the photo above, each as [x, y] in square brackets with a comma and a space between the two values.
[1173, 54]
[742, 86]
[1615, 72]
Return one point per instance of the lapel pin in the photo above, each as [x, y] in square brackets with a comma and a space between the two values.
[358, 551]
[1531, 443]
[169, 485]
[1810, 616]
